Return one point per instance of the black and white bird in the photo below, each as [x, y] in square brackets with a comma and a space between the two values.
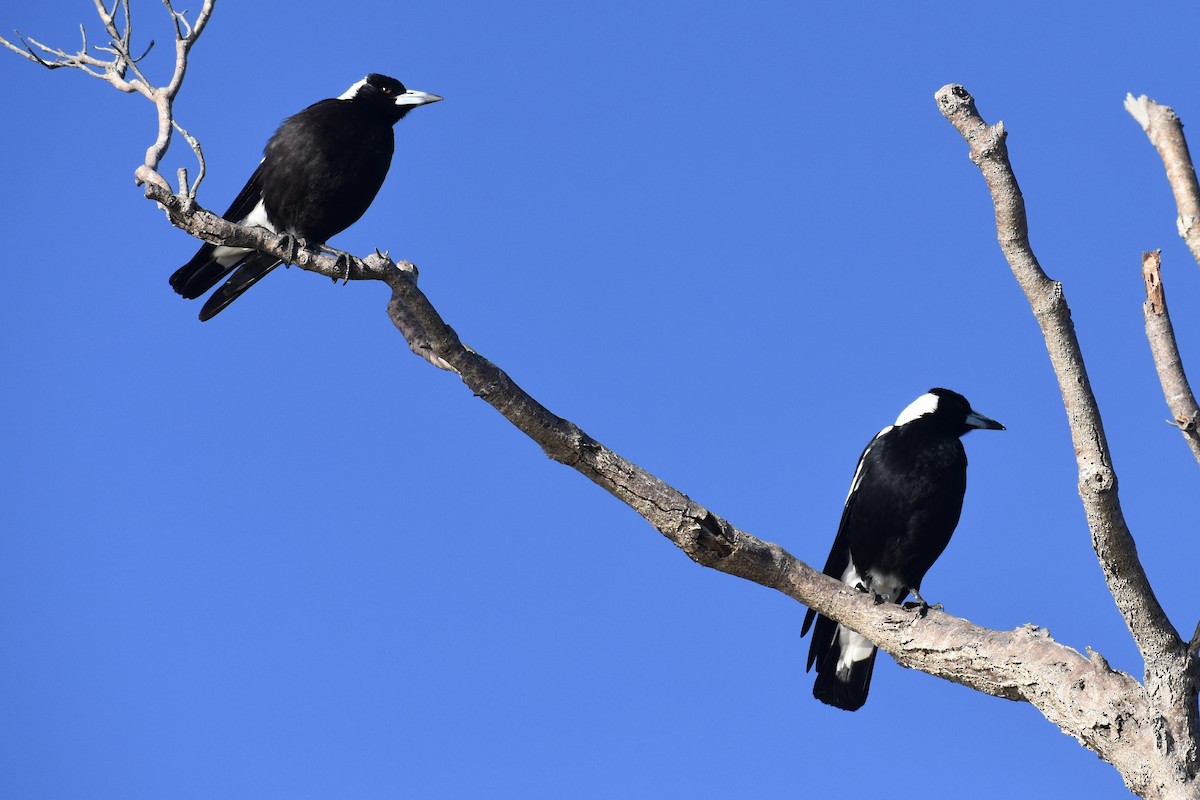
[904, 503]
[319, 174]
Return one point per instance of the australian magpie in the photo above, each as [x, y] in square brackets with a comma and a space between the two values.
[319, 174]
[904, 502]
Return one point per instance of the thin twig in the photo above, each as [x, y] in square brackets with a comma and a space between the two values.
[1161, 335]
[120, 59]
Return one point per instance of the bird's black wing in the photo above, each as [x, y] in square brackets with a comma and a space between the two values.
[836, 684]
[836, 563]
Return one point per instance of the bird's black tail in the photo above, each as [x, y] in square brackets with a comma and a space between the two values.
[843, 678]
[252, 270]
[200, 274]
[204, 272]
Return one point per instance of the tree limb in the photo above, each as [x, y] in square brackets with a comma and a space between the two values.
[1165, 130]
[1111, 539]
[1169, 668]
[1161, 335]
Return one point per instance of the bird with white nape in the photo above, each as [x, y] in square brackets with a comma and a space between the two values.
[904, 503]
[319, 174]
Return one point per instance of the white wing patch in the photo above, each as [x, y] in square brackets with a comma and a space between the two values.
[925, 404]
[228, 256]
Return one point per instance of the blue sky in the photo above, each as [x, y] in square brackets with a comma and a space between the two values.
[275, 555]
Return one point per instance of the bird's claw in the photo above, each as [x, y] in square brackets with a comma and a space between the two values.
[291, 245]
[922, 608]
[343, 263]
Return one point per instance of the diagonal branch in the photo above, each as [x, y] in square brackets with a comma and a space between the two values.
[1156, 638]
[1023, 664]
[1165, 130]
[1161, 335]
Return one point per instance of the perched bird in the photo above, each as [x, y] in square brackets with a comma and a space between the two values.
[904, 502]
[319, 174]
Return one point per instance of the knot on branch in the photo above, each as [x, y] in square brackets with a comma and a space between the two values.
[953, 98]
[1187, 424]
[1184, 223]
[714, 537]
[1097, 479]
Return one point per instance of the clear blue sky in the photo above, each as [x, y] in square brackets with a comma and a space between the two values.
[275, 555]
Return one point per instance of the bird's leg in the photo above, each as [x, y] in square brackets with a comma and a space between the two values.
[344, 260]
[921, 606]
[876, 598]
[292, 245]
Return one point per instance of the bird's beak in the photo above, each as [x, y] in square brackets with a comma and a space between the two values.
[977, 420]
[414, 98]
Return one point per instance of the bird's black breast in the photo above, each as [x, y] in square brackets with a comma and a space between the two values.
[323, 167]
[907, 504]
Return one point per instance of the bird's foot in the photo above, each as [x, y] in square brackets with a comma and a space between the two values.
[921, 606]
[344, 261]
[877, 599]
[292, 246]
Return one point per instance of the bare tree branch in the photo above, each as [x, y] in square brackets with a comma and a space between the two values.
[1113, 543]
[121, 60]
[1165, 131]
[1024, 664]
[1170, 669]
[1161, 335]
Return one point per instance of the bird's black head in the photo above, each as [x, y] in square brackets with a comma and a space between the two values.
[947, 411]
[387, 95]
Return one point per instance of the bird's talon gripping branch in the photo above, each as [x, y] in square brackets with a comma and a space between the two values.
[920, 605]
[292, 246]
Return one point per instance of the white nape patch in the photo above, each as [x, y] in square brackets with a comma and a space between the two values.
[228, 256]
[925, 404]
[353, 90]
